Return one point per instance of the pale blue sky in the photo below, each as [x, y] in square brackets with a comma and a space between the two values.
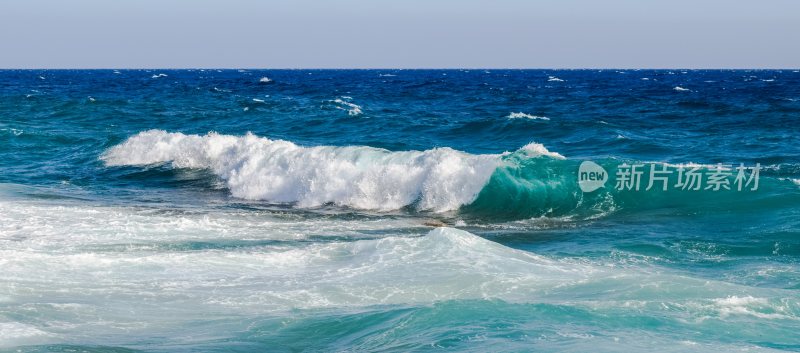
[407, 34]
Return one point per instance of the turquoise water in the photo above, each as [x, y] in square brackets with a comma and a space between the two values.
[396, 210]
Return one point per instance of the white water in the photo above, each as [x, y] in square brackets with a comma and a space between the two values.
[440, 179]
[344, 103]
[257, 168]
[520, 115]
[110, 274]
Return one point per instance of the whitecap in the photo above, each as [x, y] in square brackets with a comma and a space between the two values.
[343, 103]
[440, 179]
[159, 75]
[554, 79]
[265, 79]
[520, 115]
[537, 149]
[681, 89]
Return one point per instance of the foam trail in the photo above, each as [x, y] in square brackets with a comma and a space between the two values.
[520, 115]
[440, 179]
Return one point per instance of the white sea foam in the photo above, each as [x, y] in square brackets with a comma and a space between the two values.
[252, 167]
[49, 227]
[14, 333]
[554, 79]
[265, 79]
[82, 273]
[258, 100]
[444, 264]
[520, 115]
[750, 306]
[159, 75]
[344, 103]
[61, 251]
[681, 89]
[537, 149]
[13, 131]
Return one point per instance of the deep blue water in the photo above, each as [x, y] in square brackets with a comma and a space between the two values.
[207, 210]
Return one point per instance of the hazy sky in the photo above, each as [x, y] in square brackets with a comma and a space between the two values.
[407, 33]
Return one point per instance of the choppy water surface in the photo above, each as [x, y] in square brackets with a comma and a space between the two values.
[215, 210]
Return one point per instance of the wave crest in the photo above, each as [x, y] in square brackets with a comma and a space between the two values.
[258, 168]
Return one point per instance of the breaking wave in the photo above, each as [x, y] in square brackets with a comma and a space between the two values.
[259, 168]
[529, 182]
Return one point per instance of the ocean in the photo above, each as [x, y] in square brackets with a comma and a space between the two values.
[399, 210]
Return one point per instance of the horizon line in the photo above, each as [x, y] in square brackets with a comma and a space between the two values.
[401, 68]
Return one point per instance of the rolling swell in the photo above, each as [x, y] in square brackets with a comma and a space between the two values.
[524, 188]
[527, 183]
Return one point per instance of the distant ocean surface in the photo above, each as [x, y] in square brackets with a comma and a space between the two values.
[396, 210]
